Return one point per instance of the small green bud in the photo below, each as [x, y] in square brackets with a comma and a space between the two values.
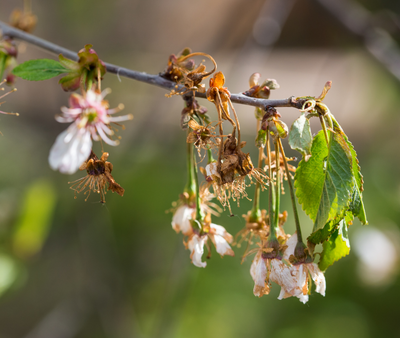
[261, 138]
[259, 113]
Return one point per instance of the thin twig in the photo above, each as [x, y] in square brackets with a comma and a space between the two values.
[156, 80]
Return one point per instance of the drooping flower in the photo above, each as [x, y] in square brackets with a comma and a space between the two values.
[181, 219]
[295, 279]
[176, 68]
[275, 166]
[184, 220]
[91, 119]
[97, 178]
[218, 236]
[230, 181]
[202, 137]
[267, 253]
[258, 271]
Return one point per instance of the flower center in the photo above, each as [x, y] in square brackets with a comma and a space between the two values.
[90, 114]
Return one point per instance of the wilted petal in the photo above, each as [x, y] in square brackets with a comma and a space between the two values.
[181, 220]
[220, 237]
[258, 271]
[71, 148]
[291, 245]
[196, 246]
[290, 278]
[211, 170]
[318, 278]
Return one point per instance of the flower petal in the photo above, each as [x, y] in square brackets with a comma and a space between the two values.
[71, 148]
[196, 246]
[258, 271]
[220, 237]
[318, 278]
[291, 245]
[181, 220]
[292, 279]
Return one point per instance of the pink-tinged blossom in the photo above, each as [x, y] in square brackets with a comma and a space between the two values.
[90, 117]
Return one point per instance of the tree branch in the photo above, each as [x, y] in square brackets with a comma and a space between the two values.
[156, 80]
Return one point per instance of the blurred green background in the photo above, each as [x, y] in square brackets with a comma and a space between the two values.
[70, 268]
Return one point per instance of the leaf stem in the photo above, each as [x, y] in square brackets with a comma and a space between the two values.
[3, 58]
[271, 190]
[190, 187]
[323, 125]
[255, 214]
[199, 213]
[292, 194]
[278, 186]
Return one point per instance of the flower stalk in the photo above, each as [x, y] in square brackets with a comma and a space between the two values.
[199, 213]
[190, 187]
[292, 195]
[255, 213]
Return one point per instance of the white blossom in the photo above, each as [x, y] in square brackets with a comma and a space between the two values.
[90, 119]
[181, 219]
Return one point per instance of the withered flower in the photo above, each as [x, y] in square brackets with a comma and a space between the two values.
[219, 94]
[211, 232]
[275, 166]
[257, 228]
[229, 181]
[23, 20]
[202, 137]
[97, 178]
[295, 280]
[193, 109]
[176, 67]
[192, 79]
[262, 269]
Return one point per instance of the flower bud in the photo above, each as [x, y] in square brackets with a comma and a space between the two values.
[271, 84]
[259, 113]
[261, 138]
[278, 128]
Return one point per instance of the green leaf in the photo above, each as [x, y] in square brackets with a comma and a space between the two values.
[336, 247]
[34, 221]
[324, 183]
[356, 203]
[300, 137]
[40, 69]
[261, 138]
